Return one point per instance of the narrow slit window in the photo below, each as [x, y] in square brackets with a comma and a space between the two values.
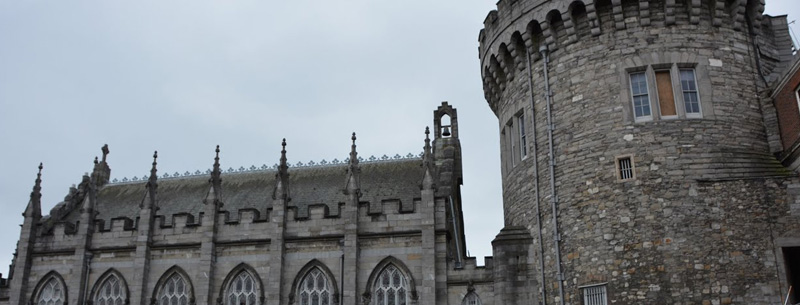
[625, 169]
[512, 135]
[523, 144]
[691, 99]
[595, 295]
[666, 98]
[641, 98]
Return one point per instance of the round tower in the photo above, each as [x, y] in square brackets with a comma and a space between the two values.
[634, 147]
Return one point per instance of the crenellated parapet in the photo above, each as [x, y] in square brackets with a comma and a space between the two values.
[519, 28]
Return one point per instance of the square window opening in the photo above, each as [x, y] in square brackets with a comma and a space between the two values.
[595, 295]
[625, 169]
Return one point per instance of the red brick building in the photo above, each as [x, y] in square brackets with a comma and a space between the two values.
[787, 105]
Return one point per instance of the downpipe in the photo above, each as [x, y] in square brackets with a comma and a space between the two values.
[87, 260]
[553, 198]
[457, 233]
[536, 179]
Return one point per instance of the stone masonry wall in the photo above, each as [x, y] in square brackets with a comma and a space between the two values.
[382, 234]
[699, 207]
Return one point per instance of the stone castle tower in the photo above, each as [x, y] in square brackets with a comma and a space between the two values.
[638, 148]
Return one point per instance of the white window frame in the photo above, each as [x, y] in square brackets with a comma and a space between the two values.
[594, 294]
[690, 115]
[643, 118]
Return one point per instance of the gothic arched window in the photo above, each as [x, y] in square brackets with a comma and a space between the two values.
[315, 289]
[471, 299]
[391, 287]
[174, 291]
[112, 291]
[51, 292]
[242, 290]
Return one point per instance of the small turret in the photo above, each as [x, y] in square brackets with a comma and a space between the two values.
[447, 147]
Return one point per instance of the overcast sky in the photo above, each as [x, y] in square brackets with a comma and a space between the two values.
[183, 76]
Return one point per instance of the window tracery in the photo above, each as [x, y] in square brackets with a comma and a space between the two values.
[242, 290]
[391, 287]
[174, 291]
[111, 292]
[51, 293]
[315, 289]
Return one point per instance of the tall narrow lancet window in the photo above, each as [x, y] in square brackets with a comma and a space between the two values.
[242, 290]
[391, 287]
[174, 291]
[51, 293]
[111, 292]
[315, 289]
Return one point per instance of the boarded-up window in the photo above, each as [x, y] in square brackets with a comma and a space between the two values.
[666, 99]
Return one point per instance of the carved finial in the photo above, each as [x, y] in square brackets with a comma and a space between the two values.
[426, 152]
[215, 173]
[427, 162]
[95, 160]
[153, 170]
[282, 176]
[427, 137]
[37, 187]
[34, 208]
[353, 153]
[353, 185]
[105, 152]
[283, 166]
[152, 185]
[213, 195]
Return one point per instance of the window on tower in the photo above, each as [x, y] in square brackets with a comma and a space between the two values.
[691, 100]
[625, 169]
[641, 98]
[674, 88]
[595, 294]
[523, 143]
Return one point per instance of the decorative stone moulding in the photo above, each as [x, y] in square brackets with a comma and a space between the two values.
[265, 168]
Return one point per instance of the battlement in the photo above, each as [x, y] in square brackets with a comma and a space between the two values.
[520, 28]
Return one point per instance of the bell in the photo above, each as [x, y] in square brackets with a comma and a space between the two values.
[446, 131]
